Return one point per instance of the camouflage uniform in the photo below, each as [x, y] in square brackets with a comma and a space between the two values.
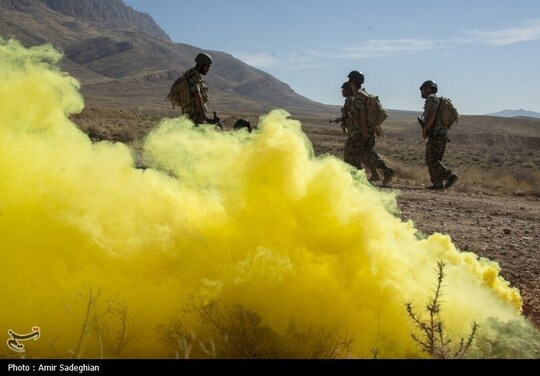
[196, 85]
[359, 149]
[436, 144]
[346, 113]
[349, 154]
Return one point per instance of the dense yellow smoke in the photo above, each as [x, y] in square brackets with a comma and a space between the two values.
[254, 220]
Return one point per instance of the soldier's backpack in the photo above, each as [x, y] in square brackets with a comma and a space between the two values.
[179, 94]
[375, 114]
[447, 113]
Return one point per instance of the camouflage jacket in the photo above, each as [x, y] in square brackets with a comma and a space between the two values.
[346, 113]
[431, 107]
[196, 85]
[358, 113]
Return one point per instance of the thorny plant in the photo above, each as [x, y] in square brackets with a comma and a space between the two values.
[433, 338]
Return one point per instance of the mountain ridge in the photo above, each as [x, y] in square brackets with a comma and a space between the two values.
[516, 113]
[109, 14]
[119, 64]
[122, 64]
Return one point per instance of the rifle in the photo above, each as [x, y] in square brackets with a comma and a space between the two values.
[421, 122]
[339, 120]
[423, 125]
[216, 121]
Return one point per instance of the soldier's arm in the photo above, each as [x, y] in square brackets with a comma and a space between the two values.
[196, 95]
[200, 106]
[360, 108]
[430, 111]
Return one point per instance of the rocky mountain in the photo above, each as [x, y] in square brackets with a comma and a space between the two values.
[109, 14]
[517, 113]
[124, 59]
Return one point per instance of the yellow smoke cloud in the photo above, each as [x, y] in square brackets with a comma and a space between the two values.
[254, 220]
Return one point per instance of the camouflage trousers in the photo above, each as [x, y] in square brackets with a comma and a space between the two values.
[435, 149]
[195, 116]
[359, 150]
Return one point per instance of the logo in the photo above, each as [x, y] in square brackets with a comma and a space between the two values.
[13, 341]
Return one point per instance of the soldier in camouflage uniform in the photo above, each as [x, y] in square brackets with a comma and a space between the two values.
[196, 108]
[346, 93]
[361, 141]
[349, 155]
[436, 135]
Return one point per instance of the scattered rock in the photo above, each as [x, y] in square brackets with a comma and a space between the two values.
[507, 231]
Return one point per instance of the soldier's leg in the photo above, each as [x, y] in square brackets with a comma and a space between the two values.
[374, 175]
[374, 160]
[191, 116]
[351, 154]
[435, 149]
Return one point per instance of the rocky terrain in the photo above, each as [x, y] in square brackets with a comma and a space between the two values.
[499, 227]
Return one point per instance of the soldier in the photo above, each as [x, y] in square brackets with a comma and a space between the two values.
[361, 139]
[346, 93]
[196, 109]
[349, 155]
[436, 135]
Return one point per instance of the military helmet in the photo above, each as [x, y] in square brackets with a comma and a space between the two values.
[203, 58]
[431, 84]
[242, 123]
[357, 77]
[345, 86]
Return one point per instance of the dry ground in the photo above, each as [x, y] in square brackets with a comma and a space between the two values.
[500, 227]
[493, 211]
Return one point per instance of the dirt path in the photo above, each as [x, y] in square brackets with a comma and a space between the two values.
[502, 228]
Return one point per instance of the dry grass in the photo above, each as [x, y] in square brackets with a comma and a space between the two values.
[484, 167]
[521, 182]
[412, 173]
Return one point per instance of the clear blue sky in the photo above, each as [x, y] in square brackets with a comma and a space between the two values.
[484, 54]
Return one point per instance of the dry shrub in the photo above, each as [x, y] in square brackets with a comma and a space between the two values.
[107, 326]
[231, 331]
[431, 335]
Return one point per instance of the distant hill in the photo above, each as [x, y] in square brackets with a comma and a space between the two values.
[472, 130]
[125, 60]
[517, 113]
